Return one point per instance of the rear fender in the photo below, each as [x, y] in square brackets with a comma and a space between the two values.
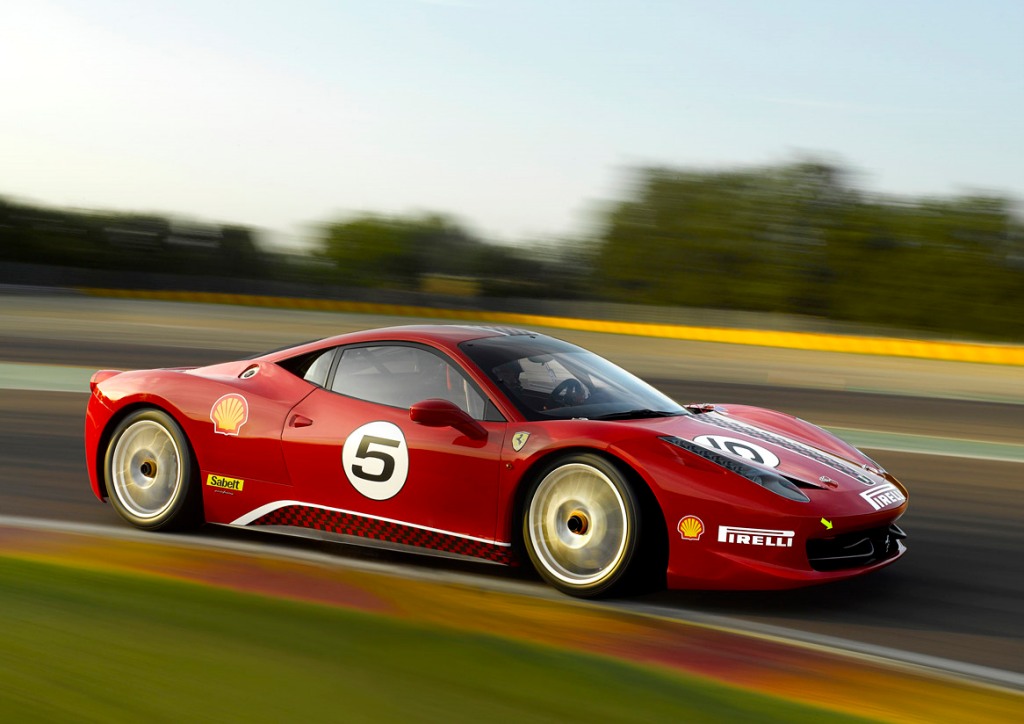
[98, 436]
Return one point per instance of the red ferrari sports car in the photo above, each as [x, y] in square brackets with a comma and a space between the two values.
[498, 444]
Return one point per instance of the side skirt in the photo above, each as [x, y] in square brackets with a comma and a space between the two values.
[297, 518]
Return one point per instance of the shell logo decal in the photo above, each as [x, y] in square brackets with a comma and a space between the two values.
[691, 527]
[229, 413]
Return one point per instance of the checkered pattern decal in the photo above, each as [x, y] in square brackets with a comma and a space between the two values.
[336, 521]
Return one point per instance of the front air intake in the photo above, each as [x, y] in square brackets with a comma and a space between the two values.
[855, 550]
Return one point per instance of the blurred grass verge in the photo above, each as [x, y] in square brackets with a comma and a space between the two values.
[90, 645]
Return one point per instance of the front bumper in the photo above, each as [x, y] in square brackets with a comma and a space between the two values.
[762, 562]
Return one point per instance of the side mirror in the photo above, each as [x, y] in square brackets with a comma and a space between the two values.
[442, 413]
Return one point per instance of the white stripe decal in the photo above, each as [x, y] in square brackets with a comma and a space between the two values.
[818, 455]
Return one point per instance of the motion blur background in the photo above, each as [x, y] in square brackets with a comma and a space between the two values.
[856, 162]
[794, 164]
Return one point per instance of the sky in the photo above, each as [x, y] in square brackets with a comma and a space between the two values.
[521, 118]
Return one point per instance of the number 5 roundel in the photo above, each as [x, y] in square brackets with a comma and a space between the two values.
[376, 459]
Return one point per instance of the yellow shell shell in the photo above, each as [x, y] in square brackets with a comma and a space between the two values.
[229, 414]
[691, 527]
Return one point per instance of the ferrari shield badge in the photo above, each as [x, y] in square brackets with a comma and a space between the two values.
[519, 440]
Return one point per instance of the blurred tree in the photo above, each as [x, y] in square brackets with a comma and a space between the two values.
[371, 250]
[441, 246]
[126, 242]
[733, 240]
[800, 238]
[240, 255]
[796, 237]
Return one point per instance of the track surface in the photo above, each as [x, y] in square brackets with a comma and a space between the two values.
[957, 594]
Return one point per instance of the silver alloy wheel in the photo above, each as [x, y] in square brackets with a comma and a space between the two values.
[145, 469]
[578, 524]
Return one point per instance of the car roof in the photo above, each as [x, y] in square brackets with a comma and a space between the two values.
[441, 335]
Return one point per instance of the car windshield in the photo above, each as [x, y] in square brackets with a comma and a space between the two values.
[546, 378]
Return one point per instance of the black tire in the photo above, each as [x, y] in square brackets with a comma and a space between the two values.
[582, 525]
[150, 473]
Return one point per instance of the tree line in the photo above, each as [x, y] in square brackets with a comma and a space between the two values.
[800, 238]
[127, 242]
[797, 238]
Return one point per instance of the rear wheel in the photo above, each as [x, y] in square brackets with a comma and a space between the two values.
[150, 475]
[581, 525]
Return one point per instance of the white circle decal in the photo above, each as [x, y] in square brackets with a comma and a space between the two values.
[739, 449]
[376, 459]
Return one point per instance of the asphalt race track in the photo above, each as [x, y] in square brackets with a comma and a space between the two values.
[957, 594]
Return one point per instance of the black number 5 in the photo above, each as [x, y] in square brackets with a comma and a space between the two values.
[365, 453]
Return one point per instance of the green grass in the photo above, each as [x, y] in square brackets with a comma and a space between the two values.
[79, 645]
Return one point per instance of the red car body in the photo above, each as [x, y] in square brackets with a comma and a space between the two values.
[270, 450]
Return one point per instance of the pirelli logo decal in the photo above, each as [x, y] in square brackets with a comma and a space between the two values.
[756, 536]
[224, 483]
[882, 496]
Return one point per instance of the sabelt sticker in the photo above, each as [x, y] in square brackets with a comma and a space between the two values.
[376, 459]
[882, 496]
[742, 449]
[519, 440]
[756, 536]
[229, 413]
[691, 527]
[224, 483]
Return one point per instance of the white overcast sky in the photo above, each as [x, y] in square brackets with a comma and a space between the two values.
[517, 116]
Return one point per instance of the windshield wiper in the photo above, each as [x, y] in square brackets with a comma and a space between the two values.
[636, 415]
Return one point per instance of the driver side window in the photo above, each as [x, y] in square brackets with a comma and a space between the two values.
[399, 375]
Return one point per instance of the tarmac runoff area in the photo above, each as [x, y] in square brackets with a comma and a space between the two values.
[889, 684]
[955, 370]
[61, 378]
[809, 341]
[815, 672]
[990, 373]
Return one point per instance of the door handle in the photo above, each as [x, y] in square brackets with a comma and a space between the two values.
[299, 421]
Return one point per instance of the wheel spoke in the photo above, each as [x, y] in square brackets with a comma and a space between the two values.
[597, 545]
[145, 469]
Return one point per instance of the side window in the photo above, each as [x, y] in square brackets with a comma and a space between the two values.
[318, 367]
[399, 375]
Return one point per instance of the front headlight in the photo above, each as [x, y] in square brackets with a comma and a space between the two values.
[765, 478]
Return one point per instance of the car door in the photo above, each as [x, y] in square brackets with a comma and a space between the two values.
[351, 447]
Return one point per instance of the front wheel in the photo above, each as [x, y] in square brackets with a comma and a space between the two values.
[581, 525]
[150, 473]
